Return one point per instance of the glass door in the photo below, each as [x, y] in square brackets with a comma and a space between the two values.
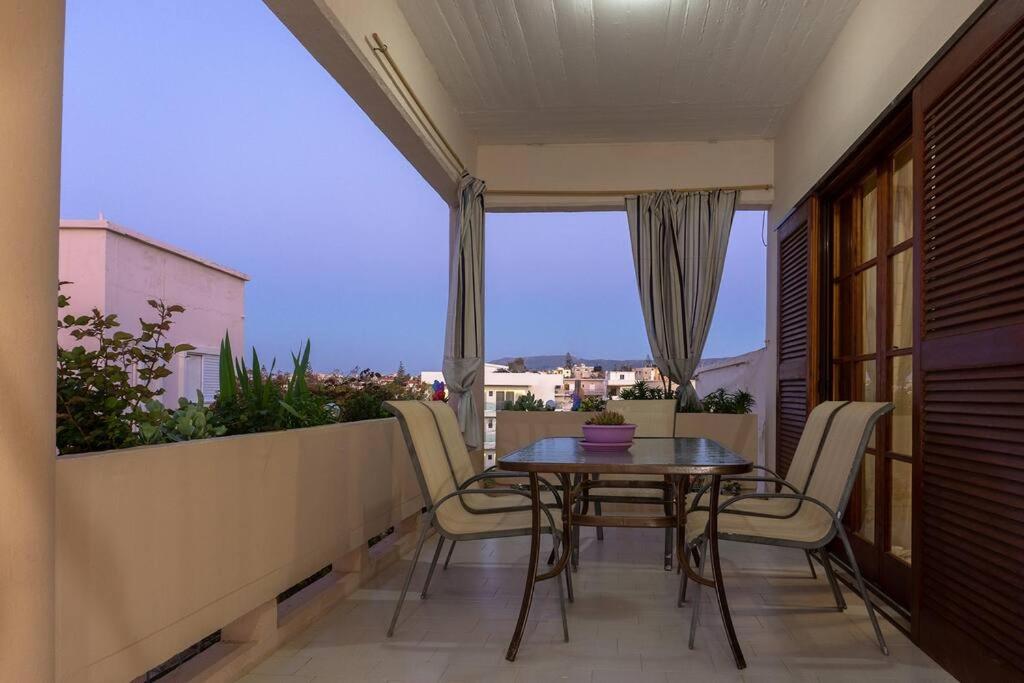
[872, 357]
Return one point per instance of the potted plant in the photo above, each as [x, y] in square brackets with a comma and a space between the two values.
[608, 429]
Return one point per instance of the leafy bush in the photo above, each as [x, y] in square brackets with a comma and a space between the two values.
[739, 402]
[190, 421]
[105, 384]
[640, 391]
[362, 396]
[251, 401]
[592, 404]
[607, 418]
[527, 402]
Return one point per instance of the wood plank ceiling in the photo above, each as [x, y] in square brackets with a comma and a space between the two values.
[542, 71]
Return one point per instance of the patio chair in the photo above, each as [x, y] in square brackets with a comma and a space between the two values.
[652, 419]
[808, 520]
[805, 457]
[465, 476]
[452, 521]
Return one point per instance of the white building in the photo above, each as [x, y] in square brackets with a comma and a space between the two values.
[502, 387]
[749, 372]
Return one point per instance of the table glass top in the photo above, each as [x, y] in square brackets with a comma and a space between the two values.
[682, 455]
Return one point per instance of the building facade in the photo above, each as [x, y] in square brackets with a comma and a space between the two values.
[116, 270]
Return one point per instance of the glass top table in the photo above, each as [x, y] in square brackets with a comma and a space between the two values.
[683, 455]
[678, 460]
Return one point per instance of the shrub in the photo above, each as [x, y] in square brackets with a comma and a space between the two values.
[739, 402]
[362, 396]
[592, 404]
[640, 391]
[103, 391]
[251, 401]
[527, 402]
[190, 421]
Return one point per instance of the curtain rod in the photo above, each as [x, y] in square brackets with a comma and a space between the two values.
[613, 193]
[383, 50]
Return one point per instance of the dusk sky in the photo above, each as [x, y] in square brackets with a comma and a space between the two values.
[207, 125]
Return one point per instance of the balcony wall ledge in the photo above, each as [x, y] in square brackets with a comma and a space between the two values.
[159, 546]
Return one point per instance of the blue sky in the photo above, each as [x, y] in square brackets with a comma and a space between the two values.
[204, 123]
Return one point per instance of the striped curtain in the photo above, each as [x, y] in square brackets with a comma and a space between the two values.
[679, 242]
[464, 334]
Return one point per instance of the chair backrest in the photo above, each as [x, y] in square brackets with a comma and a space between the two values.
[451, 436]
[652, 418]
[809, 447]
[426, 448]
[842, 452]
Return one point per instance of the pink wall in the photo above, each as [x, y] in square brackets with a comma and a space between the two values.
[118, 273]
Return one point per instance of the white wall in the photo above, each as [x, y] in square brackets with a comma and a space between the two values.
[622, 166]
[884, 44]
[748, 372]
[881, 49]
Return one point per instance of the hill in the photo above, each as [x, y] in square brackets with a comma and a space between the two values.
[556, 361]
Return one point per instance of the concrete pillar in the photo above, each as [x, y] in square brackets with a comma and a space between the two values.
[31, 75]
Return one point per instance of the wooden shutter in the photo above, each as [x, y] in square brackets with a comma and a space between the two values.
[969, 489]
[797, 294]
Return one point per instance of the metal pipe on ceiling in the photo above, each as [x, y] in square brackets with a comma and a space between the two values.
[380, 47]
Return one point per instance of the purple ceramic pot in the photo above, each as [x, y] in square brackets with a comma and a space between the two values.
[608, 433]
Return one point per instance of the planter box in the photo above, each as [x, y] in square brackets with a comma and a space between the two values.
[160, 546]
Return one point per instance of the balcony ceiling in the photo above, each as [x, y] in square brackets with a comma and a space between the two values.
[546, 71]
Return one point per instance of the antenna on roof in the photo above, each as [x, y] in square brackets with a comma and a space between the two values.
[102, 217]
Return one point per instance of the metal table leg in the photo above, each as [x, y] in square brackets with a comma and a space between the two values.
[531, 570]
[716, 567]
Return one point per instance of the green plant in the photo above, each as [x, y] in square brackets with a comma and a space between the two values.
[640, 391]
[739, 402]
[361, 396]
[527, 402]
[105, 382]
[607, 418]
[251, 401]
[592, 404]
[188, 422]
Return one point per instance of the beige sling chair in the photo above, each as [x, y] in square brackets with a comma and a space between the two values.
[805, 457]
[465, 474]
[652, 419]
[806, 517]
[448, 508]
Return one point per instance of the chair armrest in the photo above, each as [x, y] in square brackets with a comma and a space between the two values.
[782, 496]
[772, 480]
[507, 475]
[834, 516]
[466, 492]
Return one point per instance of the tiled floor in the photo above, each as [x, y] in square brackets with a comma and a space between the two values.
[623, 626]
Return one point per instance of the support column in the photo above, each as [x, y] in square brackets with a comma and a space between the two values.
[31, 75]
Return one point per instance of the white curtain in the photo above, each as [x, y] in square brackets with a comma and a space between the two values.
[679, 243]
[464, 339]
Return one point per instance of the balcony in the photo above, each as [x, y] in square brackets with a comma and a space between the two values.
[882, 139]
[622, 626]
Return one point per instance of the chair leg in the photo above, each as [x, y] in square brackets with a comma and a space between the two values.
[684, 580]
[830, 574]
[408, 578]
[561, 600]
[600, 529]
[668, 532]
[863, 589]
[695, 617]
[448, 558]
[433, 563]
[810, 563]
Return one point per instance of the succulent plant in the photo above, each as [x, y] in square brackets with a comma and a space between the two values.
[607, 418]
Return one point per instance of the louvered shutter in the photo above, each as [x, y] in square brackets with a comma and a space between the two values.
[969, 505]
[794, 332]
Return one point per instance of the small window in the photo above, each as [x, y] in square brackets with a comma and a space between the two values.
[202, 374]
